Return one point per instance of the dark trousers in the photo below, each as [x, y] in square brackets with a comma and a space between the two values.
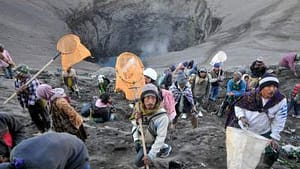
[293, 104]
[269, 157]
[229, 101]
[8, 72]
[187, 108]
[138, 161]
[40, 117]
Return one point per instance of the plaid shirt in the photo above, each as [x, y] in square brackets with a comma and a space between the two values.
[28, 96]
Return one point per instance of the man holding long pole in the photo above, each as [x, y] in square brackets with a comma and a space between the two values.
[71, 51]
[154, 127]
[28, 99]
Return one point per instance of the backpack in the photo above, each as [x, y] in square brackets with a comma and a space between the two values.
[169, 103]
[149, 129]
[161, 79]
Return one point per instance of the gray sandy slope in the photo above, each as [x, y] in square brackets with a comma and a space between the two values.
[30, 30]
[269, 28]
[249, 29]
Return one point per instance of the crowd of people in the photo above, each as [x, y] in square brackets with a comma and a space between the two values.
[252, 101]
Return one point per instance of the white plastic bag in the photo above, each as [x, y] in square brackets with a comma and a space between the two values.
[244, 148]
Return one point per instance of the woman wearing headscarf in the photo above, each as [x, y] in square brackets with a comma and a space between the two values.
[64, 116]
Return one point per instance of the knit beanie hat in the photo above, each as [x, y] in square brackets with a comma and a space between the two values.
[267, 80]
[237, 74]
[149, 90]
[181, 78]
[202, 69]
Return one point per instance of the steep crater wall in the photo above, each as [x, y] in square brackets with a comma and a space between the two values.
[146, 28]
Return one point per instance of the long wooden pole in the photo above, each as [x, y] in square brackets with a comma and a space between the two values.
[33, 77]
[140, 123]
[143, 139]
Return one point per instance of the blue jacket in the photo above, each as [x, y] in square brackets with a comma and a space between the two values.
[237, 89]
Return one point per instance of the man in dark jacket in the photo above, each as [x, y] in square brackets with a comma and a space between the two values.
[11, 133]
[166, 80]
[258, 69]
[50, 151]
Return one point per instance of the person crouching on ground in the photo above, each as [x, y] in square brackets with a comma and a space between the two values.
[64, 116]
[235, 89]
[103, 110]
[155, 127]
[49, 151]
[183, 97]
[288, 62]
[264, 111]
[12, 133]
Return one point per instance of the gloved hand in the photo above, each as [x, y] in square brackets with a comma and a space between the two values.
[137, 145]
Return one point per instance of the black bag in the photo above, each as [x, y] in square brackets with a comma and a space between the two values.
[232, 120]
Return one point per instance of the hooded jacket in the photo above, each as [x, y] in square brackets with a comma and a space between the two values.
[51, 151]
[11, 133]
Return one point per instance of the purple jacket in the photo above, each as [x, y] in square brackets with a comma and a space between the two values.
[288, 61]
